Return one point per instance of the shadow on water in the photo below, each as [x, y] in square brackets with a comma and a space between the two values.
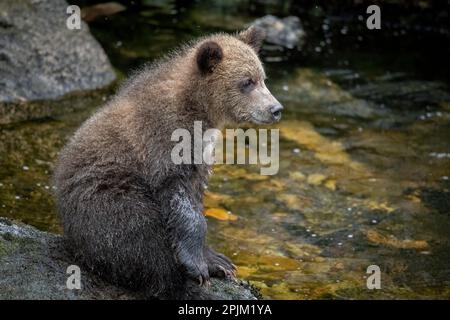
[364, 153]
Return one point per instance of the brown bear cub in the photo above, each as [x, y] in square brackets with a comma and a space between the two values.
[128, 212]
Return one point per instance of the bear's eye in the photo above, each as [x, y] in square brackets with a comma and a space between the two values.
[247, 85]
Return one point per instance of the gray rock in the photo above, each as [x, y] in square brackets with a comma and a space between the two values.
[40, 58]
[33, 265]
[287, 32]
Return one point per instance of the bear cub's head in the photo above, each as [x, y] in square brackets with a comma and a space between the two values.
[230, 70]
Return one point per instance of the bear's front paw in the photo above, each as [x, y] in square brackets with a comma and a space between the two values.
[219, 265]
[197, 269]
[200, 272]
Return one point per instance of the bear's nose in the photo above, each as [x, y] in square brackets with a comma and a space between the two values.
[276, 111]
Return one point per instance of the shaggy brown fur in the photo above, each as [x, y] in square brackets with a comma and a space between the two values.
[129, 213]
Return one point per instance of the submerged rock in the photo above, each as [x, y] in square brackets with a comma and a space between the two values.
[33, 265]
[318, 92]
[41, 58]
[286, 32]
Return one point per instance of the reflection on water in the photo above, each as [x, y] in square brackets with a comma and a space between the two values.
[364, 171]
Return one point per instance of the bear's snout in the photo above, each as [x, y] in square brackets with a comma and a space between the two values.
[276, 111]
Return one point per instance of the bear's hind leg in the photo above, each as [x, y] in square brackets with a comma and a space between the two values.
[123, 238]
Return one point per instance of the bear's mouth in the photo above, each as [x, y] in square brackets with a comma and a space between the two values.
[270, 120]
[264, 121]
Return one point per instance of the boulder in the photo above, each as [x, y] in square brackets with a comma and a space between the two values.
[286, 32]
[33, 265]
[41, 58]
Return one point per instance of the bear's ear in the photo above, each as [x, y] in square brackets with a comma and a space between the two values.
[209, 55]
[254, 36]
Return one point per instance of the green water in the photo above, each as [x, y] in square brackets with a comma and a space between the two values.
[364, 160]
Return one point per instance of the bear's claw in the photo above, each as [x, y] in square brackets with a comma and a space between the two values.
[219, 265]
